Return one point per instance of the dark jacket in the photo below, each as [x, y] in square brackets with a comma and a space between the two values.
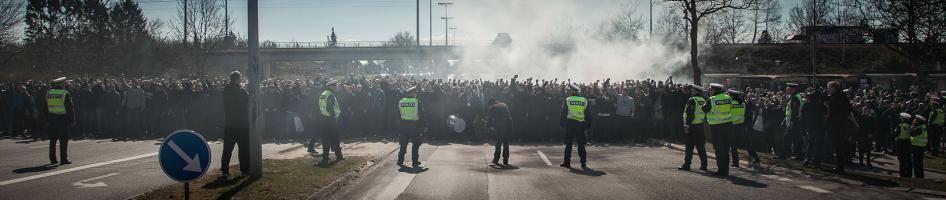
[236, 106]
[498, 116]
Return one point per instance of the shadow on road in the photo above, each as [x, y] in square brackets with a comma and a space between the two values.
[587, 172]
[232, 192]
[503, 167]
[40, 168]
[223, 181]
[412, 170]
[743, 182]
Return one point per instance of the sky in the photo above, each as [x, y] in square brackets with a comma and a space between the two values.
[379, 20]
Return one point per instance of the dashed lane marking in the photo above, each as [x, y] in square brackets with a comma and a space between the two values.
[814, 189]
[544, 158]
[777, 178]
[38, 176]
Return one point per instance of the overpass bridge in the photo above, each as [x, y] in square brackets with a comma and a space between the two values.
[239, 56]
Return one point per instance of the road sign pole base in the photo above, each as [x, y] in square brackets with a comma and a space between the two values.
[187, 190]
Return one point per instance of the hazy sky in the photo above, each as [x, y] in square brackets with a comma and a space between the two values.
[373, 20]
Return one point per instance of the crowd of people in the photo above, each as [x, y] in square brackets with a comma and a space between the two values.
[625, 111]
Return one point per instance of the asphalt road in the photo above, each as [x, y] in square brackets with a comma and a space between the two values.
[100, 169]
[457, 171]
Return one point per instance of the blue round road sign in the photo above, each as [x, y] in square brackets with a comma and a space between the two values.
[184, 156]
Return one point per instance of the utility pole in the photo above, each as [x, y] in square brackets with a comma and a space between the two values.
[454, 34]
[430, 18]
[446, 22]
[418, 23]
[185, 23]
[255, 147]
[226, 17]
[651, 20]
[811, 38]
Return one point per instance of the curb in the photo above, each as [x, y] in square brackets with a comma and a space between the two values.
[791, 171]
[337, 185]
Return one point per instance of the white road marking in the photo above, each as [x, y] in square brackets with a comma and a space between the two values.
[814, 189]
[776, 177]
[8, 182]
[82, 184]
[931, 198]
[544, 158]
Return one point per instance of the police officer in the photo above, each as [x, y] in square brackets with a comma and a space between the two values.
[903, 145]
[792, 139]
[918, 140]
[718, 116]
[694, 120]
[937, 119]
[330, 111]
[500, 122]
[575, 119]
[60, 118]
[739, 137]
[411, 127]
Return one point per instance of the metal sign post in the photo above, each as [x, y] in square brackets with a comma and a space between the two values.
[255, 148]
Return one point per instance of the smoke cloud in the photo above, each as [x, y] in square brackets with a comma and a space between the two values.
[564, 39]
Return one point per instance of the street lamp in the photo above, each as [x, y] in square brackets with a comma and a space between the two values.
[446, 22]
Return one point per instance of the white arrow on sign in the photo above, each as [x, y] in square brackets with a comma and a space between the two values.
[82, 184]
[193, 164]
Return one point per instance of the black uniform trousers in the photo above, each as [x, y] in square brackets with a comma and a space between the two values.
[935, 136]
[331, 140]
[904, 156]
[695, 139]
[740, 139]
[233, 136]
[575, 134]
[918, 153]
[410, 133]
[58, 132]
[838, 134]
[721, 136]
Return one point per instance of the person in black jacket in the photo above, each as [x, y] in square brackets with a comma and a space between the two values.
[500, 122]
[694, 121]
[237, 128]
[839, 109]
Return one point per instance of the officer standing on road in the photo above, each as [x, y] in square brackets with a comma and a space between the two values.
[694, 120]
[237, 129]
[500, 123]
[330, 110]
[61, 117]
[792, 139]
[937, 119]
[412, 127]
[739, 137]
[918, 139]
[903, 145]
[718, 110]
[575, 119]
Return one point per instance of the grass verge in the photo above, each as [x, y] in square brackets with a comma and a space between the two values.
[282, 179]
[873, 179]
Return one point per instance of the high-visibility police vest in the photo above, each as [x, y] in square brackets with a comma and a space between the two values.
[720, 110]
[788, 106]
[56, 101]
[919, 140]
[698, 115]
[323, 104]
[408, 108]
[576, 108]
[904, 132]
[738, 112]
[939, 119]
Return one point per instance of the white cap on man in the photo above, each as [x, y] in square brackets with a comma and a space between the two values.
[574, 87]
[58, 80]
[905, 116]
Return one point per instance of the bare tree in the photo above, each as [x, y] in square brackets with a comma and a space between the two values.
[768, 15]
[204, 21]
[732, 26]
[694, 11]
[921, 25]
[11, 15]
[623, 26]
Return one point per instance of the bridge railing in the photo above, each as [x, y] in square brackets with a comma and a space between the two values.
[353, 44]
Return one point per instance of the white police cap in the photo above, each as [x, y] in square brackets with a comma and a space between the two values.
[905, 116]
